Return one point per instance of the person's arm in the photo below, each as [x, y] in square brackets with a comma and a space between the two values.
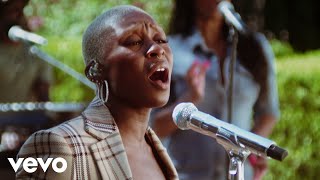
[41, 85]
[265, 126]
[41, 90]
[266, 109]
[163, 124]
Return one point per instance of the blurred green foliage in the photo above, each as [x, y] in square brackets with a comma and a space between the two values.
[64, 23]
[281, 49]
[298, 130]
[298, 78]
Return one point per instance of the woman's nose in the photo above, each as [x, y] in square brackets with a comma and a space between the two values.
[155, 51]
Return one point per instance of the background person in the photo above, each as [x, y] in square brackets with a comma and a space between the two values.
[23, 77]
[201, 47]
[127, 56]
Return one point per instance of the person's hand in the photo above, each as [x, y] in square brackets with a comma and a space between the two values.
[196, 80]
[259, 165]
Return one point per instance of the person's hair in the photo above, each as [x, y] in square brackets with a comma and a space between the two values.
[96, 39]
[252, 56]
[22, 21]
[183, 18]
[250, 52]
[4, 4]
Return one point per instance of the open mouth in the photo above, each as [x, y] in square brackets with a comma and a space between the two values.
[160, 77]
[161, 74]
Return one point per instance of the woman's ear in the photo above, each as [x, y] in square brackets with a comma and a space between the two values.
[94, 71]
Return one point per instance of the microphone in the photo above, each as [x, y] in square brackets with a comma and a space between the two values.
[232, 17]
[186, 116]
[16, 33]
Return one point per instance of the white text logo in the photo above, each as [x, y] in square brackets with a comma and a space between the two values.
[30, 164]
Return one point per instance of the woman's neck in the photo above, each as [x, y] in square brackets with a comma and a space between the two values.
[220, 48]
[132, 122]
[213, 35]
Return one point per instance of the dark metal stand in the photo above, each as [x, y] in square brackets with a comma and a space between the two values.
[236, 152]
[42, 55]
[234, 35]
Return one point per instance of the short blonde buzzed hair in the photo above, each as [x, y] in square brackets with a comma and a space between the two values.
[96, 39]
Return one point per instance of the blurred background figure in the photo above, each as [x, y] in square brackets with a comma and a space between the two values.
[201, 45]
[23, 78]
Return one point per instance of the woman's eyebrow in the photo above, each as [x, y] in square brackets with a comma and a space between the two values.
[130, 30]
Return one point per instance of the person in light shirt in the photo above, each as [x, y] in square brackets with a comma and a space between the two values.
[201, 46]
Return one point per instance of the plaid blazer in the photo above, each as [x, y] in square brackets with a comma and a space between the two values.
[92, 146]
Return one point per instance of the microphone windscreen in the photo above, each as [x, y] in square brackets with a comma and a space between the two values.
[225, 5]
[181, 114]
[13, 31]
[16, 33]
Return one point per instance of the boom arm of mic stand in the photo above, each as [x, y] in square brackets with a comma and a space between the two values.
[42, 55]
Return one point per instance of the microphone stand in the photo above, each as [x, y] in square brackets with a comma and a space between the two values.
[236, 151]
[42, 55]
[234, 35]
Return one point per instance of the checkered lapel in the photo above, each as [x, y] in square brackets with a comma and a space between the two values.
[92, 146]
[109, 151]
[162, 152]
